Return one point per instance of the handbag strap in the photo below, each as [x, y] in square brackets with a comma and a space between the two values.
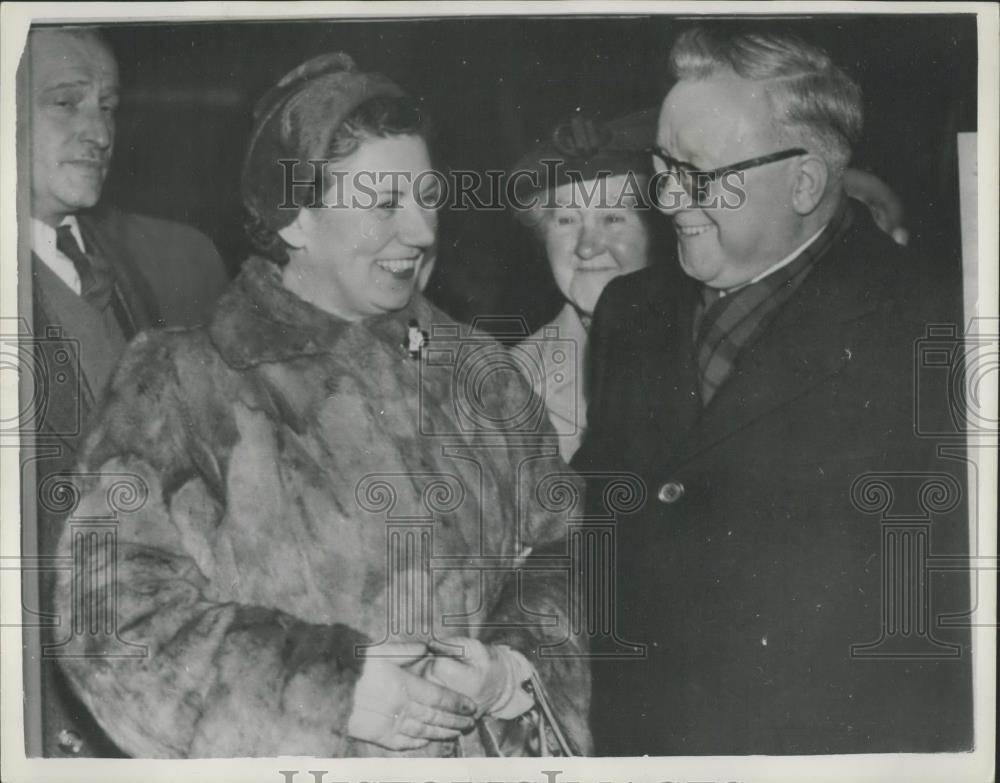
[543, 716]
[548, 718]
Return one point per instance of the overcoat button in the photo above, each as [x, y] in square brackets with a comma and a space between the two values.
[670, 492]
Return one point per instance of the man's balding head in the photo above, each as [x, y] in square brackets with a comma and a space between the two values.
[770, 101]
[74, 95]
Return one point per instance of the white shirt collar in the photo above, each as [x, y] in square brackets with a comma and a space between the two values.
[780, 265]
[43, 244]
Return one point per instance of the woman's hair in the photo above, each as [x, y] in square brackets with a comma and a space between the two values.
[318, 113]
[815, 104]
[380, 117]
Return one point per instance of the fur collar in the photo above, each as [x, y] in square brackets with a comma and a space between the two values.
[258, 320]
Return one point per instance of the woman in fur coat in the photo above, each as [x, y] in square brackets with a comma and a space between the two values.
[309, 527]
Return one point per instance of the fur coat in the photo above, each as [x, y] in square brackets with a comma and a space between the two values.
[281, 487]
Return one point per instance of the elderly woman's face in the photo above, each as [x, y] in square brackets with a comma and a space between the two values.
[362, 254]
[592, 237]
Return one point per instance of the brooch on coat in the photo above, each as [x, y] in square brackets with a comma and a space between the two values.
[416, 339]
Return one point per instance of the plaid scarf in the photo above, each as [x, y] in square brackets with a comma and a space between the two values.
[724, 325]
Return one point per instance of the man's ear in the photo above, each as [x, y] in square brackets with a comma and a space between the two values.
[294, 233]
[810, 184]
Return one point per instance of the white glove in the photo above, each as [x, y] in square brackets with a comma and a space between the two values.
[489, 674]
[397, 709]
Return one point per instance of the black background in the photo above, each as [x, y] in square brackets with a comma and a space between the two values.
[492, 85]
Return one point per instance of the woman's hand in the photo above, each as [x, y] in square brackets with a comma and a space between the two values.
[398, 710]
[491, 675]
[881, 200]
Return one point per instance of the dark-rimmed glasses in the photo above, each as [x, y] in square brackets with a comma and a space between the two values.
[697, 181]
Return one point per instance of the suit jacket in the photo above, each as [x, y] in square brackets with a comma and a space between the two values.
[753, 571]
[167, 274]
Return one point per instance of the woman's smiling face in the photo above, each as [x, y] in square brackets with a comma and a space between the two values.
[361, 254]
[592, 236]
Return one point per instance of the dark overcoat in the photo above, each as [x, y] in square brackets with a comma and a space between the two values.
[754, 571]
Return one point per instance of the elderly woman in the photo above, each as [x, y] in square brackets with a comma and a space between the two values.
[592, 215]
[314, 545]
[589, 220]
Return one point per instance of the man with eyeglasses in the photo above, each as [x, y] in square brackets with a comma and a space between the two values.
[753, 387]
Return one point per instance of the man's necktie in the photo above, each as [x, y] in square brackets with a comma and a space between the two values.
[67, 245]
[708, 297]
[708, 310]
[97, 286]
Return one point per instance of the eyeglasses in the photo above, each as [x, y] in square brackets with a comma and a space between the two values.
[696, 181]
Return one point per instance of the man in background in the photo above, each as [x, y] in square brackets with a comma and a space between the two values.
[98, 276]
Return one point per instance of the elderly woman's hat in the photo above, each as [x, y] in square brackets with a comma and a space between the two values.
[295, 120]
[582, 148]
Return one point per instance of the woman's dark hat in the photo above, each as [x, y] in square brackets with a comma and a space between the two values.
[295, 120]
[583, 148]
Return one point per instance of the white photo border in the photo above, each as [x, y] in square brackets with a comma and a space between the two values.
[975, 766]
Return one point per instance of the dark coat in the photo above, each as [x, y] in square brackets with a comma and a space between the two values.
[167, 274]
[304, 486]
[749, 573]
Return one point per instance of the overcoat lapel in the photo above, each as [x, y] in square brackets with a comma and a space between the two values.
[814, 337]
[670, 372]
[135, 292]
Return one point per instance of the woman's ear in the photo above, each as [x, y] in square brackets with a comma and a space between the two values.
[294, 234]
[810, 184]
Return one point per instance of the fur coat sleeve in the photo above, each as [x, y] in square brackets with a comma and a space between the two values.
[183, 673]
